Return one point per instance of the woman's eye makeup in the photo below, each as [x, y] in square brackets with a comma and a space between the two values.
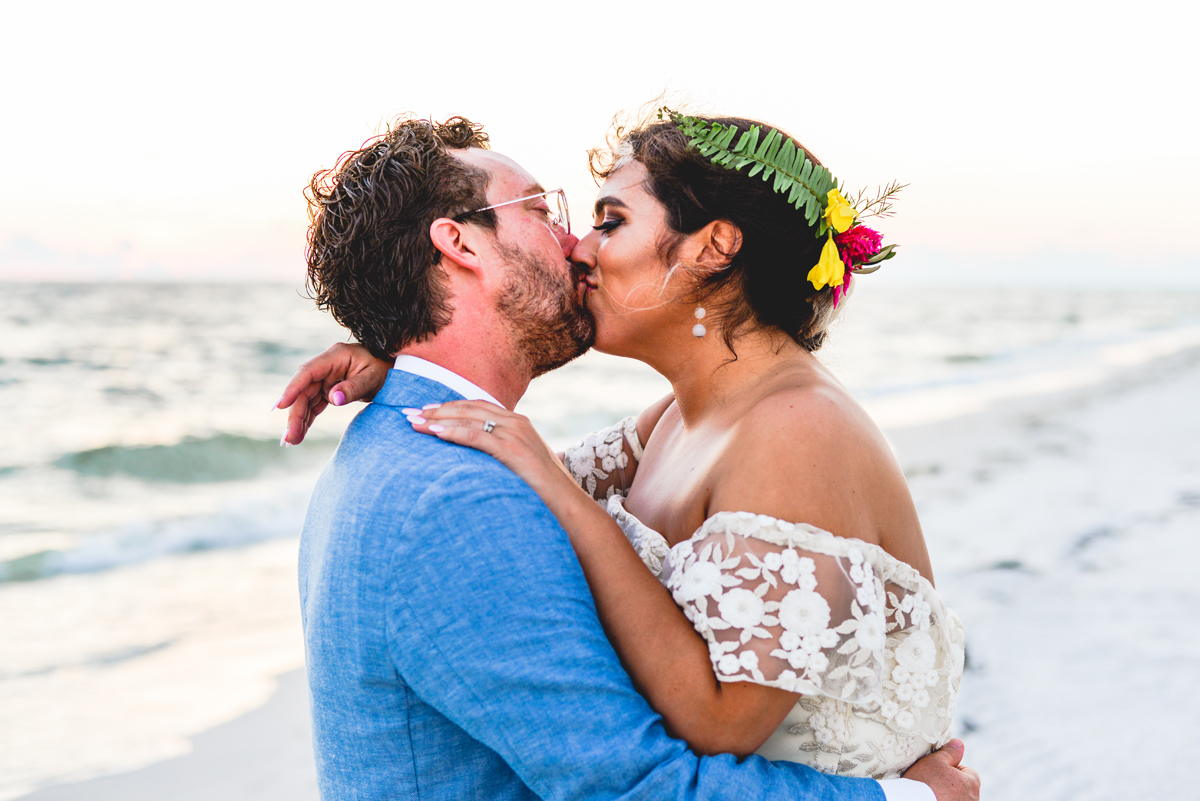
[607, 226]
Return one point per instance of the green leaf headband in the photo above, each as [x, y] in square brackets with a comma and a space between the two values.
[809, 187]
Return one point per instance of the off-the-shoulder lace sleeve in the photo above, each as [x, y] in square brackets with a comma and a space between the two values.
[604, 463]
[778, 614]
[795, 607]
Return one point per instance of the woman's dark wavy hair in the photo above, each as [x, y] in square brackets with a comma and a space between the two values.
[768, 275]
[371, 263]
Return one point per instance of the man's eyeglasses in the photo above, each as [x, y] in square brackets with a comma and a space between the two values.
[560, 220]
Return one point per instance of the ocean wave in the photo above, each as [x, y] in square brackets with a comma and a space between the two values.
[276, 517]
[1103, 355]
[1047, 371]
[222, 457]
[278, 358]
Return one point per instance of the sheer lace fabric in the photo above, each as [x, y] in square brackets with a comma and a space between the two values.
[604, 463]
[867, 642]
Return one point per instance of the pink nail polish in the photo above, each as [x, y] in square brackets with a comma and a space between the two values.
[416, 419]
[435, 427]
[431, 406]
[276, 406]
[283, 440]
[338, 398]
[410, 411]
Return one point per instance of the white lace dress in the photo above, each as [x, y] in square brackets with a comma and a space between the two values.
[870, 645]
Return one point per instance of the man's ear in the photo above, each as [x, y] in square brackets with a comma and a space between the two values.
[718, 243]
[454, 241]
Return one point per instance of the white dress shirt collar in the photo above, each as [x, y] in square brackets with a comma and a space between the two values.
[447, 378]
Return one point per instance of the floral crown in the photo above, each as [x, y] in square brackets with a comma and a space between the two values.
[811, 188]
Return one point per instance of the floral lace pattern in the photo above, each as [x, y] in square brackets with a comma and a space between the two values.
[594, 461]
[769, 619]
[863, 638]
[651, 548]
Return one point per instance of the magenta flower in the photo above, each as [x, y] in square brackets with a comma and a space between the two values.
[855, 246]
[858, 244]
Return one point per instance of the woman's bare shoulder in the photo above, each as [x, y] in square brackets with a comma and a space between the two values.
[804, 452]
[807, 452]
[802, 415]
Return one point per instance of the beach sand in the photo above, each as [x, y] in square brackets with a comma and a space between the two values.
[265, 755]
[1062, 529]
[114, 671]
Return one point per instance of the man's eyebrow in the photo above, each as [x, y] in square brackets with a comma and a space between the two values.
[609, 200]
[533, 189]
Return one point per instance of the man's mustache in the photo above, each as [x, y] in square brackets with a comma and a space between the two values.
[579, 271]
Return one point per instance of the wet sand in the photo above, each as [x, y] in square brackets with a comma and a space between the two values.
[265, 755]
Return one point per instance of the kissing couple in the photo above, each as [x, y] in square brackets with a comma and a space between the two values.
[728, 596]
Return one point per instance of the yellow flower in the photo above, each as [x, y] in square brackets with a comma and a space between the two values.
[830, 268]
[838, 212]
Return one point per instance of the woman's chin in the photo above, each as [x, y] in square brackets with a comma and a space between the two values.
[617, 335]
[602, 347]
[606, 342]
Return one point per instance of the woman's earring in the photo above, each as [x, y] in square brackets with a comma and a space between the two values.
[698, 329]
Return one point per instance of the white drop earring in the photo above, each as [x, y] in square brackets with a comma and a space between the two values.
[698, 329]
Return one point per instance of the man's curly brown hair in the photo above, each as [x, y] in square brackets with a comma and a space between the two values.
[371, 263]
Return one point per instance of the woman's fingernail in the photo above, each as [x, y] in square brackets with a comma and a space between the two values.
[338, 397]
[435, 427]
[416, 419]
[276, 406]
[283, 440]
[431, 406]
[411, 411]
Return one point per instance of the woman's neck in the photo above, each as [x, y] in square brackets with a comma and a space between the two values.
[707, 378]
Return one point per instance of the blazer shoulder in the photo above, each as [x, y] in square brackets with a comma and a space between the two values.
[381, 448]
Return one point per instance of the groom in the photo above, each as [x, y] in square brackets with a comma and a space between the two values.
[452, 644]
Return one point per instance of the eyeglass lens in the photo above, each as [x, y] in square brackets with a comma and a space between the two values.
[564, 216]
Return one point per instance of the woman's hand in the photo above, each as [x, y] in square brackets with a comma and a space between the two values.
[340, 375]
[512, 440]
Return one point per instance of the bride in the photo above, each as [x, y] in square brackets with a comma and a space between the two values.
[757, 505]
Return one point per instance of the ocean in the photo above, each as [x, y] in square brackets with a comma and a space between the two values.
[136, 416]
[148, 515]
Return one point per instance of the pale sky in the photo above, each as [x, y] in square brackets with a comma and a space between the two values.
[1047, 142]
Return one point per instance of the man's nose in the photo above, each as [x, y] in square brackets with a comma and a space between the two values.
[568, 242]
[583, 253]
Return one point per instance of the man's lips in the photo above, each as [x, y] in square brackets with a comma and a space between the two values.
[585, 281]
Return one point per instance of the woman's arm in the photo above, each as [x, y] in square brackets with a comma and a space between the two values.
[669, 662]
[347, 372]
[342, 374]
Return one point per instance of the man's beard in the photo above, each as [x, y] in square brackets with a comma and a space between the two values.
[550, 326]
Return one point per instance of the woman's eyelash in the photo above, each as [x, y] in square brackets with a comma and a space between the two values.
[606, 226]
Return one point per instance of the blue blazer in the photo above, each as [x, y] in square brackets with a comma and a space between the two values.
[453, 646]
